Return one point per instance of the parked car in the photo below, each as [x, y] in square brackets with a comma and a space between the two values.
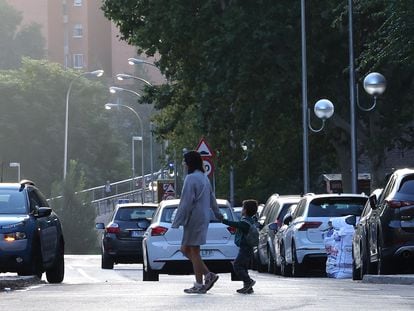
[273, 212]
[359, 241]
[237, 211]
[279, 242]
[31, 238]
[161, 244]
[384, 243]
[122, 238]
[303, 242]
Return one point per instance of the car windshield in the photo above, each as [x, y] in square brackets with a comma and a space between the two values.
[12, 203]
[336, 207]
[169, 214]
[133, 213]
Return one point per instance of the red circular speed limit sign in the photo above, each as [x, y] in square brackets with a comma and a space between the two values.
[208, 166]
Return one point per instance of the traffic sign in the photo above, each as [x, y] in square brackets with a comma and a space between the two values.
[208, 166]
[204, 149]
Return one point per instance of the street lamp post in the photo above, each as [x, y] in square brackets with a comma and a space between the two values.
[109, 106]
[96, 73]
[16, 164]
[137, 61]
[115, 89]
[124, 76]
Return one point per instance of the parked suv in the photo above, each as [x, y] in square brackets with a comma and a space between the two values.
[161, 244]
[122, 239]
[303, 242]
[273, 212]
[388, 223]
[31, 239]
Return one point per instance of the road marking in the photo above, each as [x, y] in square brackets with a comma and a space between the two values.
[84, 274]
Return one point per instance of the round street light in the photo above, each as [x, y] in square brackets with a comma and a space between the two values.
[375, 84]
[324, 109]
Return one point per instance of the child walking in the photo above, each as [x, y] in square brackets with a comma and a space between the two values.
[243, 259]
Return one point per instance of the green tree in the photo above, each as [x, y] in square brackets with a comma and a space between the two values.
[235, 75]
[32, 121]
[76, 213]
[15, 41]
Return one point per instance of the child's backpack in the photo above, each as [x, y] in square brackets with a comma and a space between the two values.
[252, 236]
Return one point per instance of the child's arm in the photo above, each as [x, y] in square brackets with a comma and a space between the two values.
[242, 225]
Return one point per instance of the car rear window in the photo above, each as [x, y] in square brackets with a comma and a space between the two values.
[336, 207]
[133, 213]
[168, 214]
[407, 186]
[12, 203]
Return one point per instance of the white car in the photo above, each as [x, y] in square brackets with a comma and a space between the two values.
[303, 239]
[161, 244]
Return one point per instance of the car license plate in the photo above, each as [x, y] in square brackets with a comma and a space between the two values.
[136, 233]
[206, 252]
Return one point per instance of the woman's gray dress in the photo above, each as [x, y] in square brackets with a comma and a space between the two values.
[197, 207]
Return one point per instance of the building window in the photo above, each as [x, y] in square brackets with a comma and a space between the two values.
[77, 60]
[77, 31]
[77, 2]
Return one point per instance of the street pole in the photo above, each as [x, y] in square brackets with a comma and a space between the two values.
[304, 101]
[96, 73]
[354, 163]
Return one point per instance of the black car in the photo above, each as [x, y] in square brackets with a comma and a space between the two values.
[383, 242]
[122, 239]
[31, 238]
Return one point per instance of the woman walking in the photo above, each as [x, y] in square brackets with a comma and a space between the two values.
[194, 213]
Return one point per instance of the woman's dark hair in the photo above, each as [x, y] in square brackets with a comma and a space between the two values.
[193, 161]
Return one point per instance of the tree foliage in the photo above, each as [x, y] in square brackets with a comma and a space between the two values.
[235, 75]
[16, 41]
[76, 213]
[32, 125]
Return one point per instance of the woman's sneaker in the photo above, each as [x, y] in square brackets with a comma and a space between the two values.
[247, 288]
[195, 290]
[211, 278]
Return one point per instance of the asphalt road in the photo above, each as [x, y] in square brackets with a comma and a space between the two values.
[87, 287]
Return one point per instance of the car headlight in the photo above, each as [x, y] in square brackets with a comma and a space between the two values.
[14, 236]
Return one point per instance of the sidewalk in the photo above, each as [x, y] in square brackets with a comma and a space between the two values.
[403, 279]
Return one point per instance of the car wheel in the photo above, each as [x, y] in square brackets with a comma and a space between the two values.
[297, 268]
[382, 264]
[260, 266]
[57, 272]
[35, 266]
[270, 262]
[148, 274]
[356, 272]
[106, 261]
[285, 268]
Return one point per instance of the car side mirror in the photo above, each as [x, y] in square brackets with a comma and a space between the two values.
[373, 201]
[351, 220]
[287, 219]
[273, 226]
[99, 225]
[43, 212]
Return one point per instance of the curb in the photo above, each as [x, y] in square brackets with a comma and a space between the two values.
[402, 279]
[8, 283]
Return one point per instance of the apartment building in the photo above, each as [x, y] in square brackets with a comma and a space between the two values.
[77, 34]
